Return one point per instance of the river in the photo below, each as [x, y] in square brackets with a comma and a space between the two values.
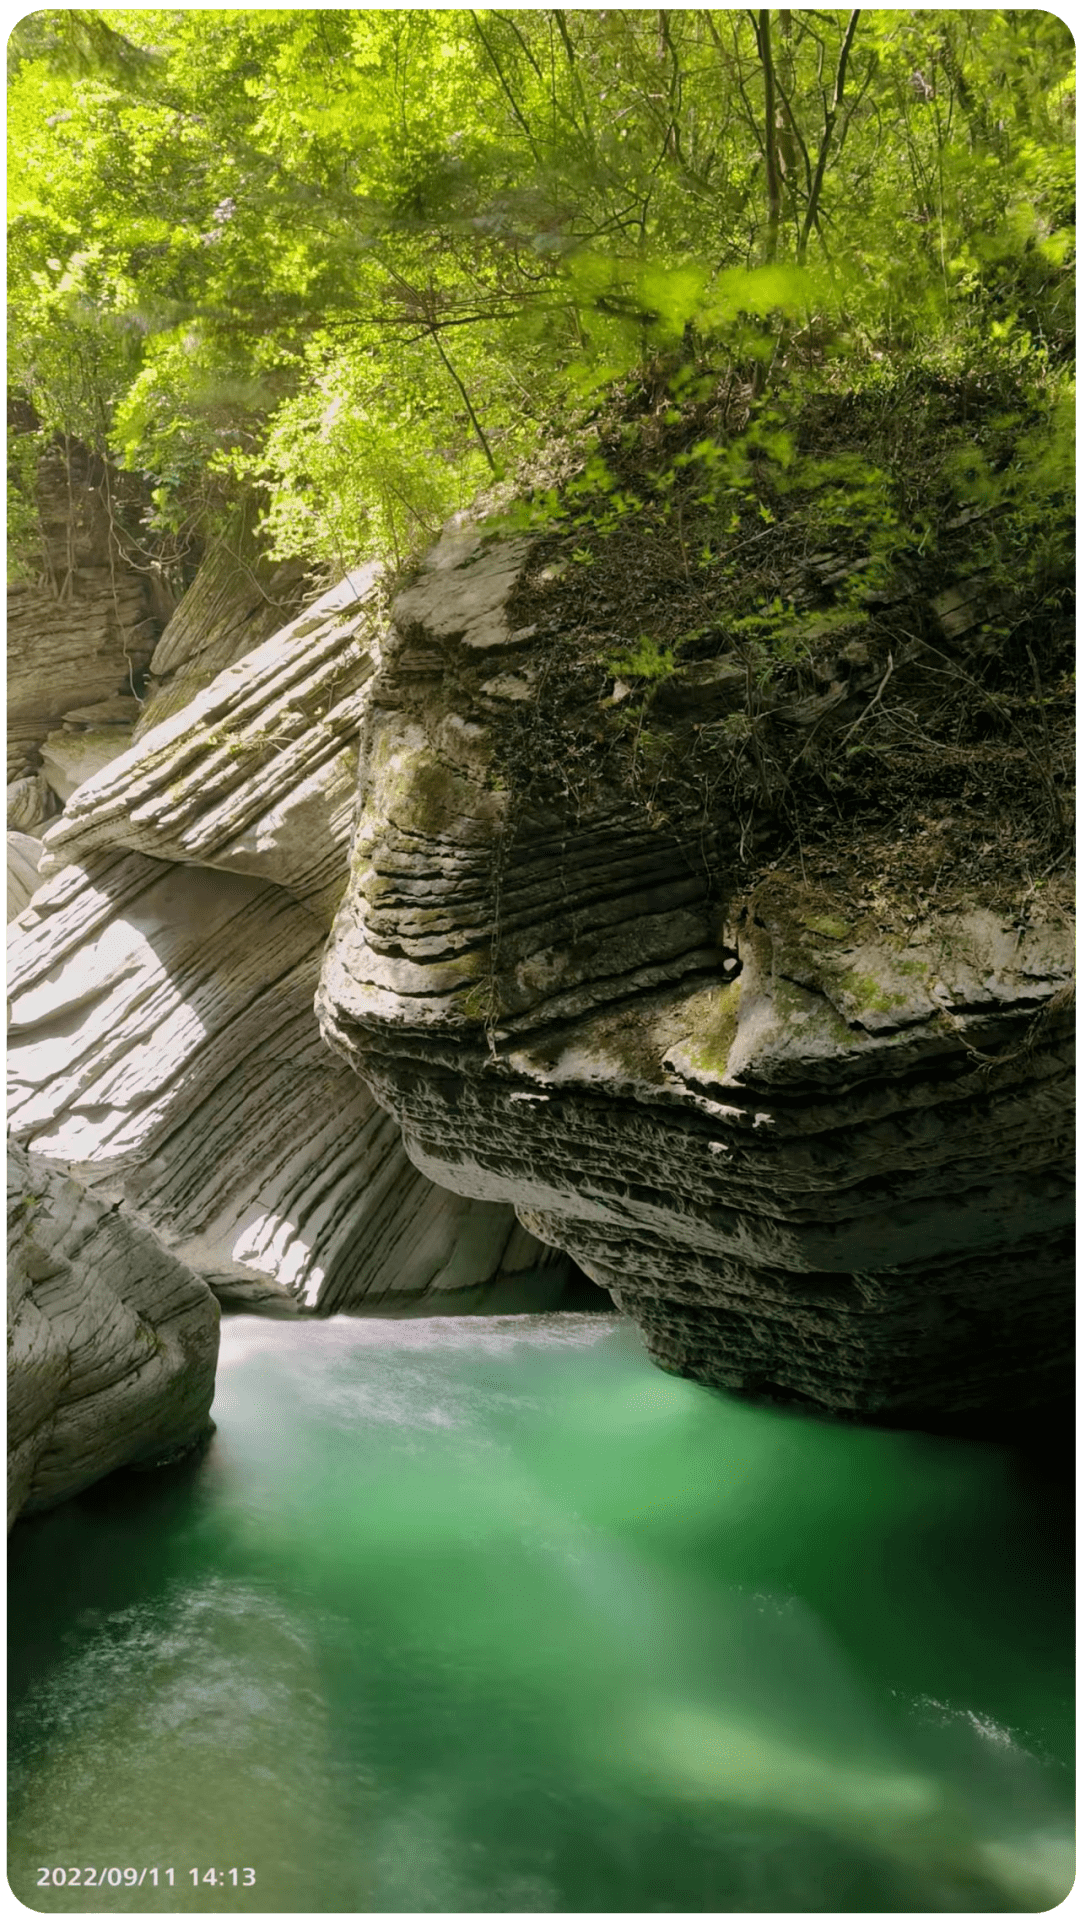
[490, 1614]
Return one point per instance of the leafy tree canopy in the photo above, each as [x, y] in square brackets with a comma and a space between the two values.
[363, 262]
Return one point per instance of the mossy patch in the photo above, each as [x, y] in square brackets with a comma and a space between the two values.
[866, 992]
[828, 926]
[914, 969]
[708, 1043]
[417, 789]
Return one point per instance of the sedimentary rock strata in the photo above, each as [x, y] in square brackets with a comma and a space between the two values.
[238, 599]
[112, 1343]
[85, 629]
[256, 775]
[161, 982]
[813, 1160]
[162, 1043]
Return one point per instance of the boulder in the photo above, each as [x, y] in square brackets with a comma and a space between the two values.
[816, 1159]
[112, 1343]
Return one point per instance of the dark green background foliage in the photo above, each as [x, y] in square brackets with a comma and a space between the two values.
[363, 263]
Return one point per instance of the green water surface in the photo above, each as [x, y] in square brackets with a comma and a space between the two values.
[489, 1614]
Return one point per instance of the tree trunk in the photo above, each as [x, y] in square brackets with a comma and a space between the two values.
[772, 163]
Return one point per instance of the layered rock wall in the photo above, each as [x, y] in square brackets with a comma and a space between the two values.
[815, 1161]
[112, 1344]
[238, 599]
[256, 774]
[162, 979]
[85, 629]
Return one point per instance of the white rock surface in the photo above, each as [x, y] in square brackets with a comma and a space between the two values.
[112, 1343]
[162, 1043]
[23, 878]
[257, 773]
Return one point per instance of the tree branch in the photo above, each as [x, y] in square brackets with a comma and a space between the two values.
[514, 108]
[460, 385]
[826, 138]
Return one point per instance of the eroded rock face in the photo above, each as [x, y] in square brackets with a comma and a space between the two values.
[255, 775]
[814, 1162]
[23, 878]
[112, 1343]
[238, 599]
[162, 1035]
[85, 630]
[162, 1043]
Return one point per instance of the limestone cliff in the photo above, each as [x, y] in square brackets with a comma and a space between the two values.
[84, 630]
[237, 599]
[819, 1153]
[112, 1344]
[161, 983]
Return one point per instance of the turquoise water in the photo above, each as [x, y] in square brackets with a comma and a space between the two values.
[489, 1614]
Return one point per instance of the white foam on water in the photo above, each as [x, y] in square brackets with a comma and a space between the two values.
[243, 1337]
[945, 1714]
[439, 1375]
[708, 1754]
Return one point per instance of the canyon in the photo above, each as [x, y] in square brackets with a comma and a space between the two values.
[818, 1157]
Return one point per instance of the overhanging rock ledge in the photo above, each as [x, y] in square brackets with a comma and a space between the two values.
[815, 1162]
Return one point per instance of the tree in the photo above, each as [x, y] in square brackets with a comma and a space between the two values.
[364, 261]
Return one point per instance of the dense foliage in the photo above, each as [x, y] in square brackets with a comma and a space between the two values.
[363, 263]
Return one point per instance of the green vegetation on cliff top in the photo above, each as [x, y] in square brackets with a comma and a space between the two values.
[363, 262]
[761, 321]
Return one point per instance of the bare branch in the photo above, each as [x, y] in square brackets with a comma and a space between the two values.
[515, 109]
[826, 138]
[460, 385]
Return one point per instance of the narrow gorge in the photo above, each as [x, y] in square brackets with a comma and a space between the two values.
[163, 1050]
[541, 981]
[864, 1133]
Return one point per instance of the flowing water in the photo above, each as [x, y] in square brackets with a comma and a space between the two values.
[490, 1614]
